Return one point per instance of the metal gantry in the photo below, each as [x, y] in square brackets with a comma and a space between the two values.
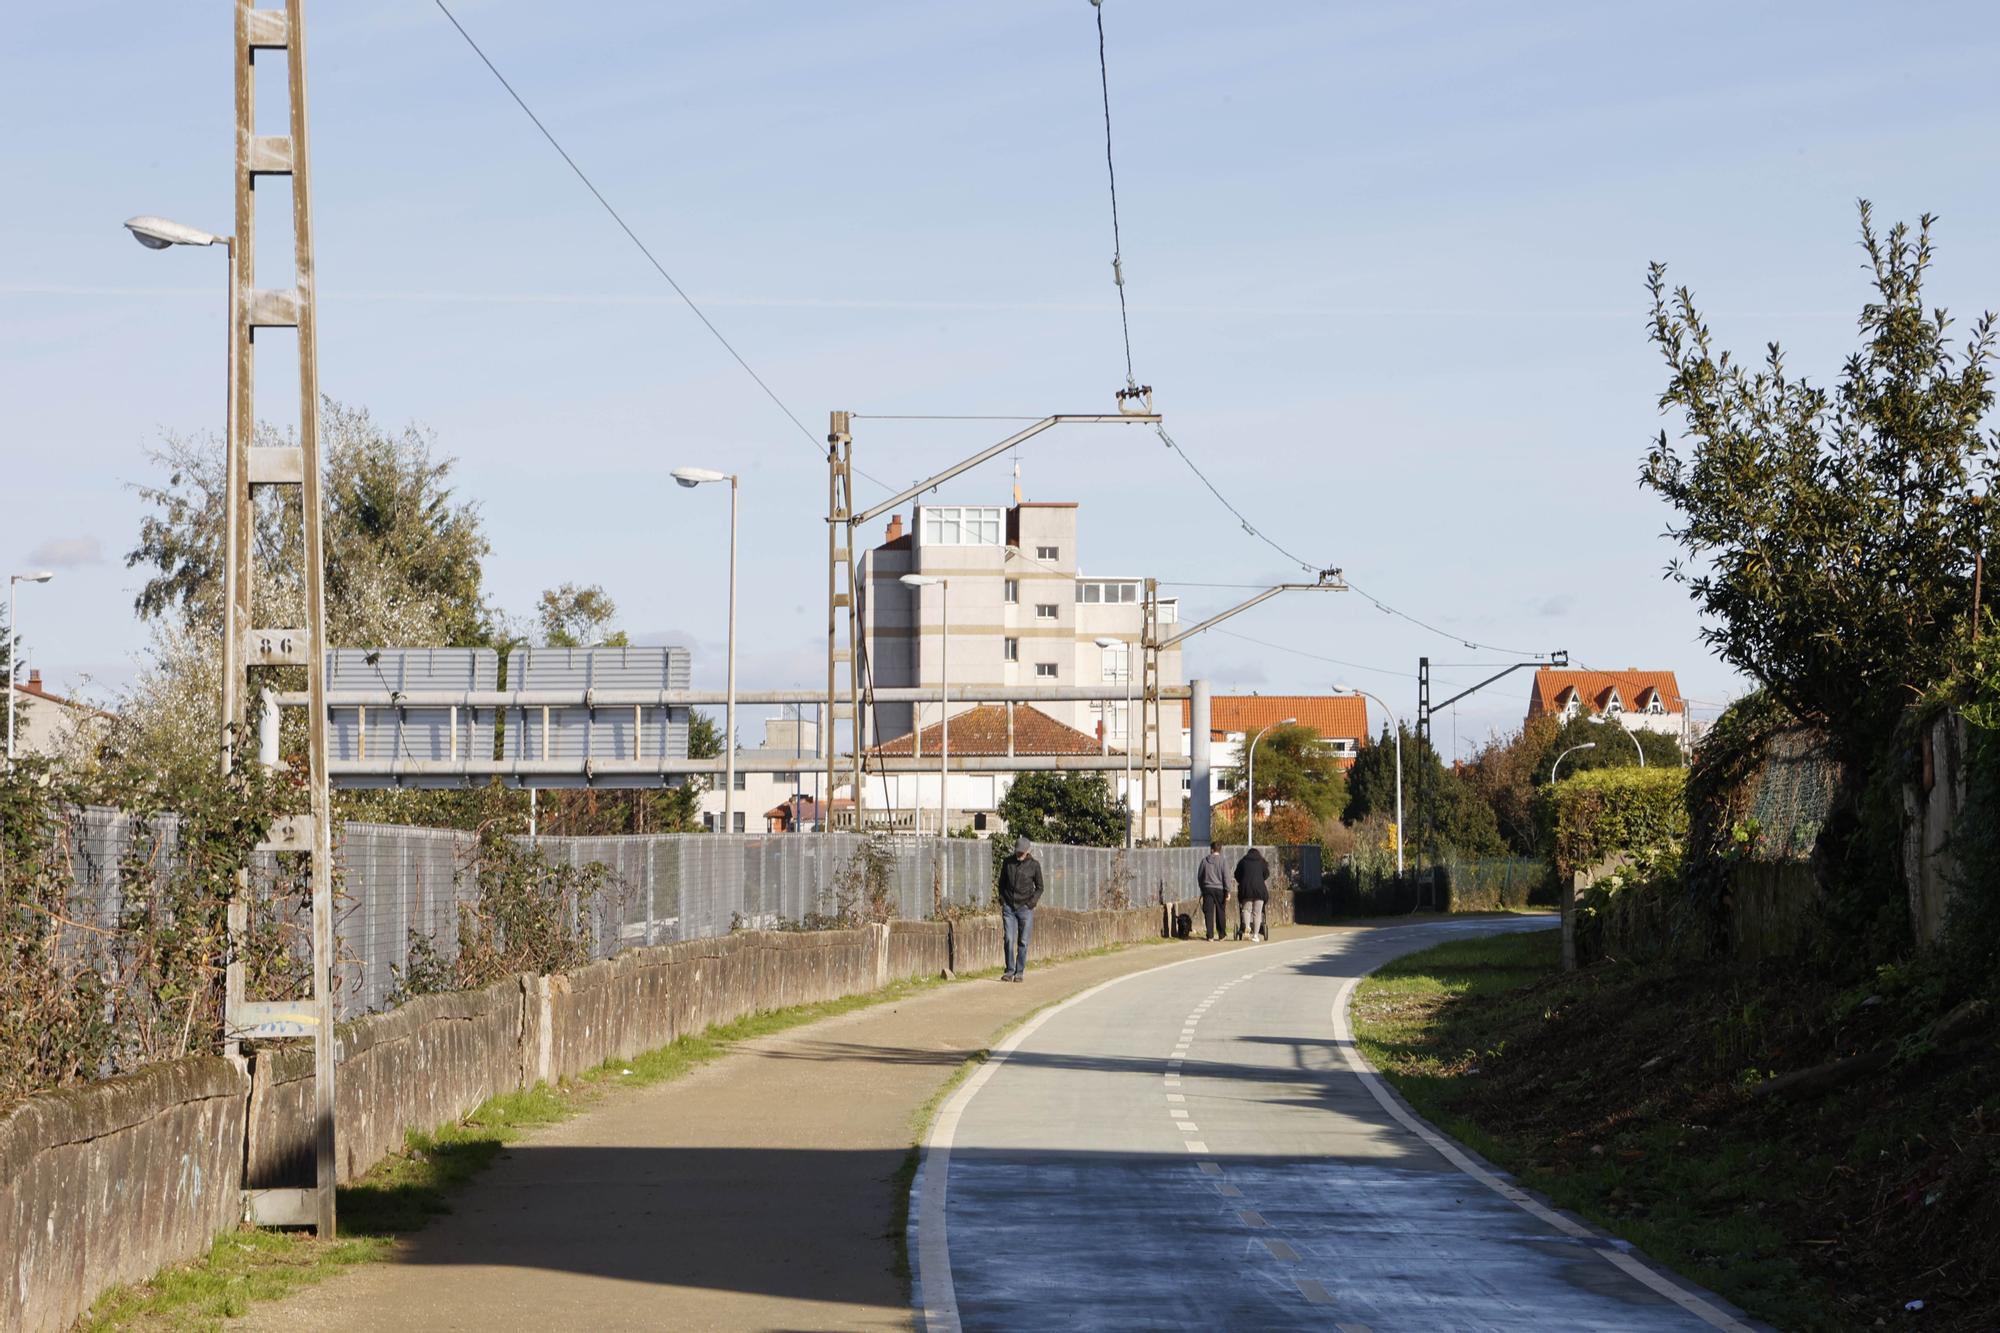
[295, 468]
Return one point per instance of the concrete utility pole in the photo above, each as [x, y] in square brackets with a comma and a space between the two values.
[943, 586]
[1107, 644]
[244, 644]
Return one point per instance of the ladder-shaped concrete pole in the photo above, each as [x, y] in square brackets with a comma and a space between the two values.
[246, 644]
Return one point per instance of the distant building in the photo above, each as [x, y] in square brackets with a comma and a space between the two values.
[759, 794]
[1023, 612]
[1340, 719]
[910, 800]
[1637, 700]
[48, 724]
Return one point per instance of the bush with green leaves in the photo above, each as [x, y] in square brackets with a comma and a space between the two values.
[1611, 811]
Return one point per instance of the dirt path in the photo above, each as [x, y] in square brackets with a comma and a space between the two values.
[758, 1193]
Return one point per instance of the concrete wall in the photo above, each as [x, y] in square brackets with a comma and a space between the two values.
[112, 1182]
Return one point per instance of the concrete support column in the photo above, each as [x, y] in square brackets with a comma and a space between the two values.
[1198, 813]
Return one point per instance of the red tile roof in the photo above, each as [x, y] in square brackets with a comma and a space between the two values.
[1333, 716]
[1597, 687]
[983, 731]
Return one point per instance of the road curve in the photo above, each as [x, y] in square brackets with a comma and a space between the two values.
[1198, 1146]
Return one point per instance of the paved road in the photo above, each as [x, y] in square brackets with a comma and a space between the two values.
[1190, 1148]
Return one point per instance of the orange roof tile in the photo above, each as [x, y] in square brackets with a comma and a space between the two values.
[983, 731]
[1333, 716]
[1552, 684]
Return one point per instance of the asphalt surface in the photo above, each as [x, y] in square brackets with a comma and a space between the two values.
[1199, 1147]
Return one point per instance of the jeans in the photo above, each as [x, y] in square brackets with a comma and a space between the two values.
[1017, 927]
[1215, 914]
[1253, 916]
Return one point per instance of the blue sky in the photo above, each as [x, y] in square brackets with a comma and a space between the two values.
[1385, 262]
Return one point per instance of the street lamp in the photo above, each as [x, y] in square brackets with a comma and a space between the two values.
[944, 713]
[1106, 642]
[40, 576]
[1250, 784]
[156, 233]
[691, 477]
[1633, 736]
[1396, 723]
[1587, 745]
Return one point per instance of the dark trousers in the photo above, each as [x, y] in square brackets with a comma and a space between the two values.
[1017, 927]
[1215, 913]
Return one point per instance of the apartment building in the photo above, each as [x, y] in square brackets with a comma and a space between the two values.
[1023, 611]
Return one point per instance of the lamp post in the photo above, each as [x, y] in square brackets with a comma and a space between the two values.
[692, 477]
[944, 713]
[1107, 642]
[1587, 745]
[157, 233]
[1250, 784]
[40, 576]
[1397, 724]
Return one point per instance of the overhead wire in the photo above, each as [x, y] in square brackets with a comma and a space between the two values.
[1111, 173]
[700, 314]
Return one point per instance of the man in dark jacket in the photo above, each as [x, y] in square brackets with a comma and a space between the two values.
[1253, 890]
[1213, 881]
[1020, 890]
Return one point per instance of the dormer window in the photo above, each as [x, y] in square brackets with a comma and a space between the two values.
[1651, 702]
[1571, 703]
[1614, 705]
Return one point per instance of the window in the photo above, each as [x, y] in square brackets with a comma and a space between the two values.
[1113, 591]
[1615, 705]
[1013, 649]
[1047, 553]
[1013, 592]
[708, 820]
[1045, 610]
[961, 525]
[1089, 592]
[1111, 717]
[737, 827]
[785, 779]
[1118, 663]
[742, 779]
[1045, 670]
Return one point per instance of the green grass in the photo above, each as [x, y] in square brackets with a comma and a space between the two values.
[404, 1191]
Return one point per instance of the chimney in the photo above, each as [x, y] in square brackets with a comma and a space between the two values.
[895, 527]
[34, 680]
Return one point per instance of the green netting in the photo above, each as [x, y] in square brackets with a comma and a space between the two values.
[1791, 795]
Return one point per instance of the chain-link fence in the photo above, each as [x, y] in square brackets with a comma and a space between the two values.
[400, 885]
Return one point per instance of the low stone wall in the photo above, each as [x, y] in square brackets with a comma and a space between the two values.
[112, 1182]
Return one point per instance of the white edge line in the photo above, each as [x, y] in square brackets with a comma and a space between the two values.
[935, 1290]
[1343, 1036]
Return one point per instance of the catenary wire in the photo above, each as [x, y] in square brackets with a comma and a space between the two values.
[1111, 174]
[588, 184]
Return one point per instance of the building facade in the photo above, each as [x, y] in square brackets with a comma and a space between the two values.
[1637, 700]
[1022, 613]
[1340, 719]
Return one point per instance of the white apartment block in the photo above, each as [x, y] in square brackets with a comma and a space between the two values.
[1022, 612]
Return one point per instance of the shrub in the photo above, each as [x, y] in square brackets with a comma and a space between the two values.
[1599, 814]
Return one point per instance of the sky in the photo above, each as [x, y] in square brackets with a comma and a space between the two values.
[1385, 263]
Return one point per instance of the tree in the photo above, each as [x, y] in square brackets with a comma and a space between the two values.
[1462, 821]
[1829, 536]
[576, 617]
[1506, 774]
[1074, 808]
[1295, 770]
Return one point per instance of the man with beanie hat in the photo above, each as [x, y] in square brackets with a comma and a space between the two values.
[1020, 890]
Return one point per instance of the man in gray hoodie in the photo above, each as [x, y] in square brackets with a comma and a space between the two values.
[1020, 890]
[1213, 881]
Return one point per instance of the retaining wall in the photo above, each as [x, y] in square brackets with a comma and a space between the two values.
[112, 1182]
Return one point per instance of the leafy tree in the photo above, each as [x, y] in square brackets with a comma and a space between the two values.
[1074, 808]
[1829, 535]
[1506, 774]
[1295, 770]
[1461, 820]
[574, 617]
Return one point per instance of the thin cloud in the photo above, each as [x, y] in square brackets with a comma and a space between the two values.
[67, 553]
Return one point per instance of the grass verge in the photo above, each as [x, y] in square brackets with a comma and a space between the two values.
[1647, 1099]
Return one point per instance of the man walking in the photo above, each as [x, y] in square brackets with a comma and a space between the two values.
[1020, 890]
[1253, 890]
[1213, 881]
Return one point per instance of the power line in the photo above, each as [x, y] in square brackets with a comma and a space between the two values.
[588, 184]
[1111, 174]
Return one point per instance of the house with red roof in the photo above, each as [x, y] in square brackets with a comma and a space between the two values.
[1340, 719]
[910, 800]
[1637, 700]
